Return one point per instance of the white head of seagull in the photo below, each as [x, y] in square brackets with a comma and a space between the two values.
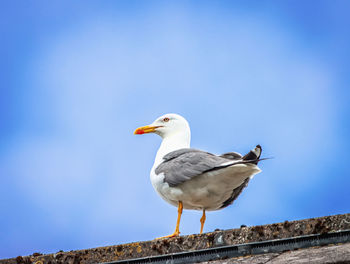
[174, 130]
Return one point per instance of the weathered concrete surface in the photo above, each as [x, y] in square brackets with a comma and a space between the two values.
[192, 242]
[317, 255]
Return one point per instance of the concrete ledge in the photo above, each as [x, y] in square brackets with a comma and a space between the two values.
[242, 235]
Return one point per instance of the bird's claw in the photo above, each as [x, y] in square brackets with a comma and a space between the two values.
[175, 234]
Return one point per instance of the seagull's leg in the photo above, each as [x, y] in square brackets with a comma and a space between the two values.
[179, 213]
[202, 221]
[177, 230]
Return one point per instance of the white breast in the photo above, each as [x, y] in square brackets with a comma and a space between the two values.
[169, 194]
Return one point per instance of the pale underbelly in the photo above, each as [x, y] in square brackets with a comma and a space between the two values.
[208, 191]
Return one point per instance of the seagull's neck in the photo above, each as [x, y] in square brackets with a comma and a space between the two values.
[171, 143]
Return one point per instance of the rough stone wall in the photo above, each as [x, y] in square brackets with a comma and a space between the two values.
[192, 242]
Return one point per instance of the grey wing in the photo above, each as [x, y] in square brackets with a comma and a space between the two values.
[184, 164]
[232, 155]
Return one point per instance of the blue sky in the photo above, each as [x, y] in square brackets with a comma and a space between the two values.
[78, 77]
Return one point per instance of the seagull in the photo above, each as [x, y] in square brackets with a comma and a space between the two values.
[193, 179]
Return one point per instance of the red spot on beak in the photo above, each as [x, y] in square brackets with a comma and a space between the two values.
[139, 132]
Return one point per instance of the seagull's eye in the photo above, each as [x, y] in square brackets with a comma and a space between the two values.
[166, 119]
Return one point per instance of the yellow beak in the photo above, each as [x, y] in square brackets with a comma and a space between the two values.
[145, 129]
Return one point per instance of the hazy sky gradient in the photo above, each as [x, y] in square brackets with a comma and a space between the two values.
[78, 78]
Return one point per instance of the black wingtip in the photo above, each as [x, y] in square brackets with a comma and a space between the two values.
[258, 149]
[254, 154]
